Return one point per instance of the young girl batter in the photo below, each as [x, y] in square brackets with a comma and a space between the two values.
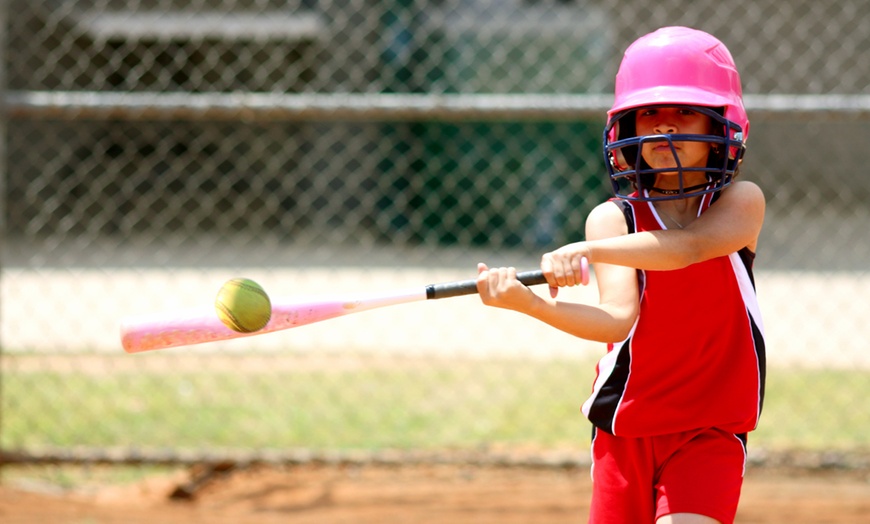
[683, 379]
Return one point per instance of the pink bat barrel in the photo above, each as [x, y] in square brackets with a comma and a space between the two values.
[197, 326]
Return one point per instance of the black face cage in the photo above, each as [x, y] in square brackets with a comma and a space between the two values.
[632, 178]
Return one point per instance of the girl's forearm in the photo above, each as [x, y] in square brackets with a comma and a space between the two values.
[651, 250]
[597, 323]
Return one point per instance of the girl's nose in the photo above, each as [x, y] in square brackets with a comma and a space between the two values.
[665, 127]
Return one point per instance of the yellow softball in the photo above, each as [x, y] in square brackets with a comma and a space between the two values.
[243, 306]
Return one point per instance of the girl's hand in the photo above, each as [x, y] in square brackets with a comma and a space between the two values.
[499, 287]
[563, 267]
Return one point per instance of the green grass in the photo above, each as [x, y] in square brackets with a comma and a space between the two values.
[816, 410]
[464, 404]
[40, 477]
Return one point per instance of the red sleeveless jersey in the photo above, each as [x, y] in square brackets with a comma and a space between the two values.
[695, 356]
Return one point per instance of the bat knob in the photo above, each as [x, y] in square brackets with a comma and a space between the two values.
[584, 271]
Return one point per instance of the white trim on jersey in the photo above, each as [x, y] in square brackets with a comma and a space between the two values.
[747, 290]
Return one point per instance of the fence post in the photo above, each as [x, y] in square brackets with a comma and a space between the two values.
[4, 30]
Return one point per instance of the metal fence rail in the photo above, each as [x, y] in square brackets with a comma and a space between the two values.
[342, 107]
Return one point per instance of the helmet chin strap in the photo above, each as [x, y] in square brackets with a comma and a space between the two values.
[670, 192]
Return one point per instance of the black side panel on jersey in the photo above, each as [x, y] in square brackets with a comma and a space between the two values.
[603, 408]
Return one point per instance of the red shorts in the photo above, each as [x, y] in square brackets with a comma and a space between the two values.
[639, 480]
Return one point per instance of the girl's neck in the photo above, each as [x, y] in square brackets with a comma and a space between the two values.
[680, 212]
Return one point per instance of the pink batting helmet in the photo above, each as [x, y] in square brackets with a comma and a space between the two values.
[677, 66]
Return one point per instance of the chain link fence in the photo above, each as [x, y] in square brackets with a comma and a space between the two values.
[156, 148]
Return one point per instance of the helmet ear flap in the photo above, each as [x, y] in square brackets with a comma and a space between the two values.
[624, 158]
[733, 134]
[734, 147]
[618, 160]
[718, 152]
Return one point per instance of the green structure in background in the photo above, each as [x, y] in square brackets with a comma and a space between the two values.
[463, 182]
[528, 184]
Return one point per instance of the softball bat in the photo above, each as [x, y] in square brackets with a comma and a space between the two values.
[197, 326]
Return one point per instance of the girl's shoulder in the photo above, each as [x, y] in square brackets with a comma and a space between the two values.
[744, 193]
[608, 219]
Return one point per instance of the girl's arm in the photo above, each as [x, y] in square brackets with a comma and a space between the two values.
[609, 321]
[732, 223]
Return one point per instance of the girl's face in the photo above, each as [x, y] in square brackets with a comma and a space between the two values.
[673, 120]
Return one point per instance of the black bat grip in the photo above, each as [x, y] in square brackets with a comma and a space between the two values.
[469, 287]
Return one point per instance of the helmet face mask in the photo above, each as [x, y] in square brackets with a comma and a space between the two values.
[675, 67]
[630, 174]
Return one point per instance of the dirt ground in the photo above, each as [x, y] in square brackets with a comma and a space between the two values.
[427, 494]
